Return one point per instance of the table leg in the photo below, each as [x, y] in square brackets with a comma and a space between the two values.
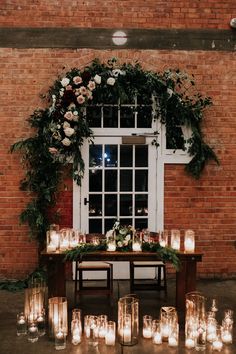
[185, 282]
[56, 278]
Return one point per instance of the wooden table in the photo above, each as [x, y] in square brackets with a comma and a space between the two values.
[185, 278]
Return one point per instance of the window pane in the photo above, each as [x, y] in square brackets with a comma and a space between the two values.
[110, 117]
[110, 155]
[126, 221]
[174, 139]
[111, 205]
[127, 117]
[141, 204]
[95, 226]
[125, 204]
[111, 181]
[141, 155]
[94, 116]
[95, 181]
[141, 180]
[126, 180]
[141, 224]
[109, 224]
[95, 204]
[95, 155]
[126, 156]
[144, 117]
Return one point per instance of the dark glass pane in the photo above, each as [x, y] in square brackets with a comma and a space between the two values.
[111, 205]
[174, 138]
[144, 100]
[125, 204]
[109, 224]
[95, 181]
[95, 155]
[126, 221]
[126, 156]
[141, 156]
[141, 204]
[94, 116]
[141, 224]
[110, 155]
[126, 181]
[141, 180]
[144, 117]
[95, 226]
[110, 180]
[95, 205]
[127, 117]
[110, 117]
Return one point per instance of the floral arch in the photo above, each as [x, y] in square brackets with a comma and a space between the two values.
[61, 129]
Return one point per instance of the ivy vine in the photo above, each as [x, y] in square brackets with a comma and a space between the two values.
[61, 128]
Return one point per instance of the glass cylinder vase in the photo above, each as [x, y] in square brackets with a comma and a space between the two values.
[57, 316]
[128, 320]
[189, 241]
[175, 239]
[168, 316]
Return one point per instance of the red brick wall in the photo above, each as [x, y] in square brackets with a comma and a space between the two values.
[123, 14]
[208, 205]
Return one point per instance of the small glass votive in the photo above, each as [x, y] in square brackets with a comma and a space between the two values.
[175, 239]
[173, 339]
[227, 332]
[76, 332]
[163, 238]
[147, 326]
[41, 324]
[21, 324]
[211, 329]
[110, 336]
[60, 340]
[33, 334]
[102, 326]
[91, 329]
[217, 343]
[156, 332]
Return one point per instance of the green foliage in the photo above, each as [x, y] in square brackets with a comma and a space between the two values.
[60, 129]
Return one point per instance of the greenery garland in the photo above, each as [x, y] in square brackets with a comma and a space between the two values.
[166, 254]
[61, 129]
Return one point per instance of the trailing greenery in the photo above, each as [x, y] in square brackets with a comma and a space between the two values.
[166, 254]
[17, 285]
[59, 130]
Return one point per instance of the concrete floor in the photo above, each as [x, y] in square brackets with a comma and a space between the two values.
[150, 303]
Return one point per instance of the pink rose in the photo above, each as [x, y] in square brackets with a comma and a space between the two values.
[91, 85]
[53, 150]
[83, 90]
[68, 115]
[77, 80]
[68, 88]
[80, 99]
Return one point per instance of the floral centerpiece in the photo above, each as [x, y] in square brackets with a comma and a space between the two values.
[120, 235]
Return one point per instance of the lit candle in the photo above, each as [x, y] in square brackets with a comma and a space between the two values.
[21, 321]
[111, 247]
[189, 245]
[54, 238]
[147, 333]
[76, 336]
[157, 338]
[64, 245]
[73, 243]
[172, 342]
[127, 334]
[51, 247]
[165, 330]
[162, 243]
[110, 338]
[175, 245]
[226, 337]
[189, 343]
[136, 247]
[217, 345]
[102, 332]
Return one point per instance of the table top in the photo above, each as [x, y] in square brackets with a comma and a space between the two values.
[124, 256]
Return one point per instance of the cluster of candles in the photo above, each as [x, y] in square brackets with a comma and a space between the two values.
[61, 240]
[33, 326]
[202, 327]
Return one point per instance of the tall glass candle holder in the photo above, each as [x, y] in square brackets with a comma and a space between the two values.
[111, 242]
[74, 238]
[175, 239]
[102, 326]
[163, 238]
[173, 339]
[168, 315]
[57, 316]
[21, 324]
[189, 241]
[35, 299]
[137, 242]
[128, 320]
[156, 332]
[76, 332]
[53, 238]
[110, 336]
[65, 239]
[92, 330]
[147, 326]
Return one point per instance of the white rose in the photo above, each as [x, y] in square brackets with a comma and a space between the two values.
[169, 91]
[66, 125]
[66, 142]
[69, 131]
[65, 81]
[97, 79]
[111, 81]
[75, 113]
[116, 72]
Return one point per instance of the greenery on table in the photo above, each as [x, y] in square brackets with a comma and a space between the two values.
[166, 254]
[60, 129]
